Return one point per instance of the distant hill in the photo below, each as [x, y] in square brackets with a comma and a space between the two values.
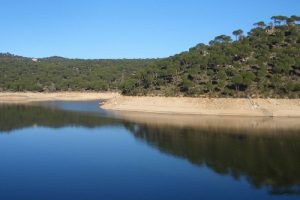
[61, 74]
[263, 63]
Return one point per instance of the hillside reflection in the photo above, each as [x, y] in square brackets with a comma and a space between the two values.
[262, 150]
[22, 116]
[266, 160]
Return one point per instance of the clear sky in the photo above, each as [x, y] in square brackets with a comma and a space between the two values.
[125, 28]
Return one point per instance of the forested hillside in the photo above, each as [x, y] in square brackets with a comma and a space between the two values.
[263, 63]
[61, 74]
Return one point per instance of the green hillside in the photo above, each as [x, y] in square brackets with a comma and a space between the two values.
[62, 74]
[263, 63]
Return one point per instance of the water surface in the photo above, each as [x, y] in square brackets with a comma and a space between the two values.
[74, 150]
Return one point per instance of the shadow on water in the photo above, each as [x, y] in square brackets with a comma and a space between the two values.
[264, 150]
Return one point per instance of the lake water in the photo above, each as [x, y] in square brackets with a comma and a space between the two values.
[74, 150]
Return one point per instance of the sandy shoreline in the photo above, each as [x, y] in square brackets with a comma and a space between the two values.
[206, 106]
[28, 97]
[168, 105]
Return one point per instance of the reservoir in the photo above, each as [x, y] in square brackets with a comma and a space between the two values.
[75, 150]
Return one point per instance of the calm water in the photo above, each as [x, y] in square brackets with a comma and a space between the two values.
[64, 150]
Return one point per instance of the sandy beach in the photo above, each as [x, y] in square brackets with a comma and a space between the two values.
[168, 105]
[206, 106]
[27, 97]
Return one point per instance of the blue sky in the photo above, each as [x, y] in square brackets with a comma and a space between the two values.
[125, 28]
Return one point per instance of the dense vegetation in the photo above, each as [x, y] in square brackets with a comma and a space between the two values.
[263, 63]
[61, 74]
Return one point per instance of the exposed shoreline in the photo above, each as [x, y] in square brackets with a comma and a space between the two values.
[206, 106]
[168, 105]
[29, 97]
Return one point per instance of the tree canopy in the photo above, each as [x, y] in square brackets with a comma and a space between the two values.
[62, 74]
[265, 62]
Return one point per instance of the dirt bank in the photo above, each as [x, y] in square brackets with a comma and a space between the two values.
[206, 106]
[27, 97]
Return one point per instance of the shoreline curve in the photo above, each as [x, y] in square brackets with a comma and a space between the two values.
[205, 106]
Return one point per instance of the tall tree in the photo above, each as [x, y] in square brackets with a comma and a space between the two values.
[279, 19]
[292, 20]
[238, 33]
[221, 39]
[260, 24]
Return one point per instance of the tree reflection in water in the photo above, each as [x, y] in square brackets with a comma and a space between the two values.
[267, 157]
[266, 160]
